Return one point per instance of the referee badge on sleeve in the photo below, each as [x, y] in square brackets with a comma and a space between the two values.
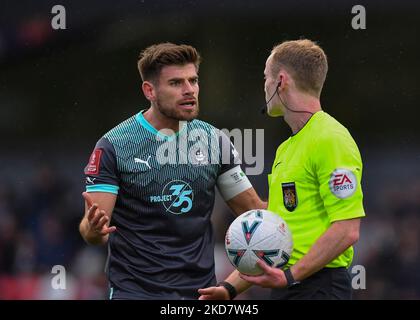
[290, 199]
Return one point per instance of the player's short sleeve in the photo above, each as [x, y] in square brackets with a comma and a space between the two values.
[101, 171]
[231, 180]
[338, 167]
[229, 156]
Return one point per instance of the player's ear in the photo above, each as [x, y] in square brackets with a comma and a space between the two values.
[148, 90]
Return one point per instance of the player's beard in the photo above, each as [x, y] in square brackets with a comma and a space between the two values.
[175, 113]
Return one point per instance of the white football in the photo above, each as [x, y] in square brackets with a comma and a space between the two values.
[258, 234]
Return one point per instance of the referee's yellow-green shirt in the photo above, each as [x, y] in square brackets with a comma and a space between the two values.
[315, 180]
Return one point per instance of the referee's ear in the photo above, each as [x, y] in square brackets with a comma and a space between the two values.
[281, 79]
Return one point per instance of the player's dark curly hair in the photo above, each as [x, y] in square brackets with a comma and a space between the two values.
[154, 58]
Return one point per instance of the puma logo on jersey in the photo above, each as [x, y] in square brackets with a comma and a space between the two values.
[146, 162]
[90, 180]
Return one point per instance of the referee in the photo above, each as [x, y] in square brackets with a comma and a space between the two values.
[315, 184]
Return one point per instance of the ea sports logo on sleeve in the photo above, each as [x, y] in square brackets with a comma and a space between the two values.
[343, 183]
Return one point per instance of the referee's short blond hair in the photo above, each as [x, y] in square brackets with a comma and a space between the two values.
[305, 61]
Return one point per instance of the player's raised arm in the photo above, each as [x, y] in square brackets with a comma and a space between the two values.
[94, 227]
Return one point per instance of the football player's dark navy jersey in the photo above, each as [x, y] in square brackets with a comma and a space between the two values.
[165, 185]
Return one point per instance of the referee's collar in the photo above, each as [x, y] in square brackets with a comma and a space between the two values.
[313, 116]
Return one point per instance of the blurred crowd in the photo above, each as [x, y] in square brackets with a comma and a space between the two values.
[389, 246]
[39, 229]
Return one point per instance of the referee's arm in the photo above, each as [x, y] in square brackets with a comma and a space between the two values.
[333, 242]
[338, 238]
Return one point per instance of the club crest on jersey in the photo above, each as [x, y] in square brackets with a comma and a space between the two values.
[200, 157]
[343, 183]
[290, 199]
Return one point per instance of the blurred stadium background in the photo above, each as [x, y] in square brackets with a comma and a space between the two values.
[61, 90]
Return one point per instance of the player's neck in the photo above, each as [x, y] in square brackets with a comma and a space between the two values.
[161, 122]
[301, 102]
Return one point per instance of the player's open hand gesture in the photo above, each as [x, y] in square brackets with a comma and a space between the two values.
[271, 278]
[98, 221]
